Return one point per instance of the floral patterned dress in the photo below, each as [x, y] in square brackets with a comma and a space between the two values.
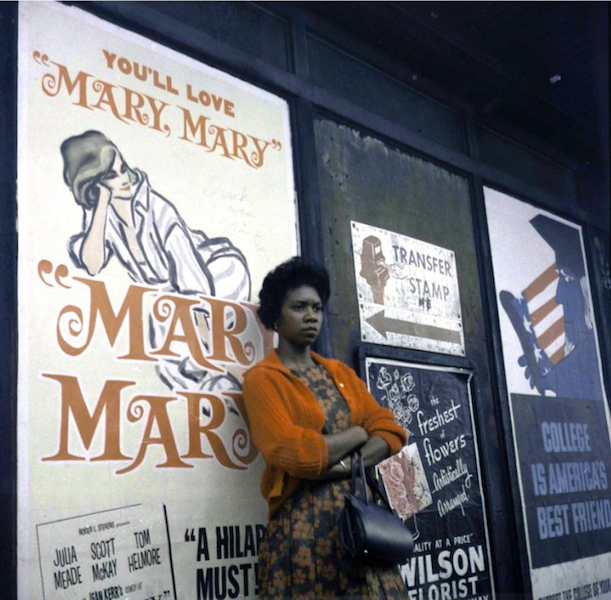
[301, 556]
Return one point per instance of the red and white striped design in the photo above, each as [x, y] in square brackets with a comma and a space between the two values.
[546, 314]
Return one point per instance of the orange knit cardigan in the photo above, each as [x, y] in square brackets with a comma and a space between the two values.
[286, 422]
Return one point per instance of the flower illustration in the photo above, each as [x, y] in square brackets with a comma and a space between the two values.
[384, 379]
[403, 506]
[303, 558]
[394, 394]
[407, 382]
[396, 472]
[299, 577]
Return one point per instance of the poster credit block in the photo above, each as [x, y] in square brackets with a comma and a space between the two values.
[407, 291]
[116, 553]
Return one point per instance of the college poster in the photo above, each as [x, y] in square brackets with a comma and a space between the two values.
[434, 483]
[154, 193]
[559, 411]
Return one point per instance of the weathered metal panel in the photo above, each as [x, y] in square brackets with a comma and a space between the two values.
[373, 90]
[363, 179]
[241, 24]
[529, 166]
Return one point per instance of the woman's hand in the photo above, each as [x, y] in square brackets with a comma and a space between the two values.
[337, 471]
[341, 444]
[375, 451]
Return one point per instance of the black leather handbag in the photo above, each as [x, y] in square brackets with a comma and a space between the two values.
[370, 531]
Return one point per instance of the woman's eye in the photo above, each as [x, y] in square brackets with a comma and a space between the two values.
[123, 168]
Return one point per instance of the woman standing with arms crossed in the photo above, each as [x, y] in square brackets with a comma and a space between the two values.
[307, 414]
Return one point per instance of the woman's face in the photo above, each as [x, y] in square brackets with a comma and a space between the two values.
[300, 317]
[117, 180]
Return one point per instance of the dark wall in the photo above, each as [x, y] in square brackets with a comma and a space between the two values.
[364, 179]
[8, 298]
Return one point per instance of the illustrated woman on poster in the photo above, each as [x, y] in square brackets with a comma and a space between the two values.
[123, 216]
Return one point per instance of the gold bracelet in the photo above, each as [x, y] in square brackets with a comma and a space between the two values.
[343, 464]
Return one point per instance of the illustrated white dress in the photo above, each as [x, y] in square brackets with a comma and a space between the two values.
[175, 259]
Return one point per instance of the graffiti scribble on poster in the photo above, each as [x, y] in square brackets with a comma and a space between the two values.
[554, 321]
[124, 217]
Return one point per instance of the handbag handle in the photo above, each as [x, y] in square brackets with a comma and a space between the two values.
[366, 477]
[357, 457]
[378, 488]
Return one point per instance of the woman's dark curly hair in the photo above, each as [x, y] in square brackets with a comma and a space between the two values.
[286, 277]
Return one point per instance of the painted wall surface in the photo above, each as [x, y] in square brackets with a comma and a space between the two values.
[147, 185]
[559, 411]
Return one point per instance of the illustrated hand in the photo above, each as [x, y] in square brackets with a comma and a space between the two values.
[104, 195]
[533, 360]
[523, 361]
[541, 378]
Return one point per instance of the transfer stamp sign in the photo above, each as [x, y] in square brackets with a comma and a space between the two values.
[559, 411]
[147, 182]
[407, 291]
[434, 483]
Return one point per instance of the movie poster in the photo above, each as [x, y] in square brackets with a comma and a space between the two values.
[559, 411]
[154, 193]
[434, 483]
